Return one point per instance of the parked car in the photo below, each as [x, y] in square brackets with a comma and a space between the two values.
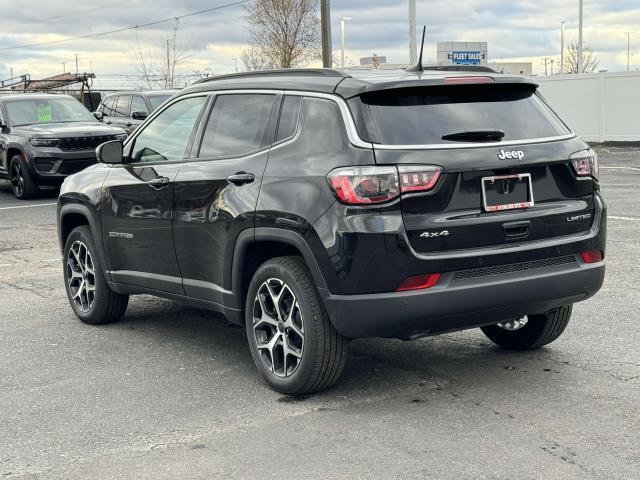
[314, 208]
[44, 138]
[128, 110]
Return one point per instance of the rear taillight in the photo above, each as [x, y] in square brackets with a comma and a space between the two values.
[364, 185]
[585, 163]
[379, 184]
[418, 178]
[419, 282]
[592, 256]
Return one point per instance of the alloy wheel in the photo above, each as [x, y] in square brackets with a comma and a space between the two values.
[514, 325]
[17, 178]
[81, 276]
[278, 328]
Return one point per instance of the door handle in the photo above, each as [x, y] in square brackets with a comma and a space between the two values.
[159, 182]
[241, 178]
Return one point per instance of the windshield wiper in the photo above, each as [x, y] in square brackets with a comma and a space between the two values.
[475, 135]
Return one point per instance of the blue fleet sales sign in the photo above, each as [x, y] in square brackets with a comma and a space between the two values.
[466, 58]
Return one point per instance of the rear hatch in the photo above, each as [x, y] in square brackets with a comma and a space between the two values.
[507, 174]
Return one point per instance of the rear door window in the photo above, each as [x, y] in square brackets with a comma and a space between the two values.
[424, 115]
[238, 125]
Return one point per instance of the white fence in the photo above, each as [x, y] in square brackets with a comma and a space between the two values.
[599, 107]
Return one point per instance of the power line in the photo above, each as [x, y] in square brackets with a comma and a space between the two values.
[118, 30]
[60, 17]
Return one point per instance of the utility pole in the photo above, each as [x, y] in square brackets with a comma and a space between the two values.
[413, 47]
[342, 22]
[580, 16]
[551, 66]
[10, 72]
[235, 62]
[628, 34]
[562, 24]
[325, 21]
[64, 67]
[77, 63]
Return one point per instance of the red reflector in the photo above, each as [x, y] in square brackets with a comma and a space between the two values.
[592, 256]
[419, 282]
[467, 80]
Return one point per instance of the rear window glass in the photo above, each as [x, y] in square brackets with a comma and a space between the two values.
[422, 116]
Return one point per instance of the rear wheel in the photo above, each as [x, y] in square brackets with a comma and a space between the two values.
[22, 184]
[89, 294]
[292, 340]
[531, 331]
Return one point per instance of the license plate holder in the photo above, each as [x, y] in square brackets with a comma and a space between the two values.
[507, 192]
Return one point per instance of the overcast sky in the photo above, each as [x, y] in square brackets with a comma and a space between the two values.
[516, 30]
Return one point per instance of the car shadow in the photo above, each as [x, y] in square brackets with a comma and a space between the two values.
[375, 367]
[5, 189]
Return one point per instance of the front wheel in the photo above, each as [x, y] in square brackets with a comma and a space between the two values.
[89, 294]
[530, 332]
[22, 183]
[293, 343]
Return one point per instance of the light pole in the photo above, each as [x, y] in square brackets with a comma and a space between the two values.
[628, 34]
[562, 24]
[413, 47]
[325, 24]
[580, 37]
[342, 22]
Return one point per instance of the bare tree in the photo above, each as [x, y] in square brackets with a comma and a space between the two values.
[590, 62]
[284, 33]
[253, 59]
[160, 72]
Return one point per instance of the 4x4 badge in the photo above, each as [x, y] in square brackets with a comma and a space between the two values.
[441, 233]
[510, 155]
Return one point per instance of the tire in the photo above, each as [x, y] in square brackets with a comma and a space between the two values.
[79, 260]
[22, 183]
[539, 330]
[316, 351]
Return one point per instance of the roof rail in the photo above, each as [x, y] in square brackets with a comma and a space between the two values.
[461, 68]
[311, 72]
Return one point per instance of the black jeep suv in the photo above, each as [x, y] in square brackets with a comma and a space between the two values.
[44, 138]
[314, 207]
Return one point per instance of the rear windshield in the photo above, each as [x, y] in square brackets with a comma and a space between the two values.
[423, 116]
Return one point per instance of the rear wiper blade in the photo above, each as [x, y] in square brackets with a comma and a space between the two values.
[475, 135]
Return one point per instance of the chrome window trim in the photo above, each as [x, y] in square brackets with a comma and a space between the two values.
[350, 126]
[458, 146]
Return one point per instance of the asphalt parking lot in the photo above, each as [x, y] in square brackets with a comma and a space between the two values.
[171, 391]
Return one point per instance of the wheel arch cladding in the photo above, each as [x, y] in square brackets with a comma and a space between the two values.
[72, 215]
[253, 248]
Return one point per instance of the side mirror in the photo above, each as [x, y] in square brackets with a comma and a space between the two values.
[3, 125]
[110, 153]
[139, 115]
[99, 115]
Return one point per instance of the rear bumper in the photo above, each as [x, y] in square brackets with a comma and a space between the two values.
[461, 303]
